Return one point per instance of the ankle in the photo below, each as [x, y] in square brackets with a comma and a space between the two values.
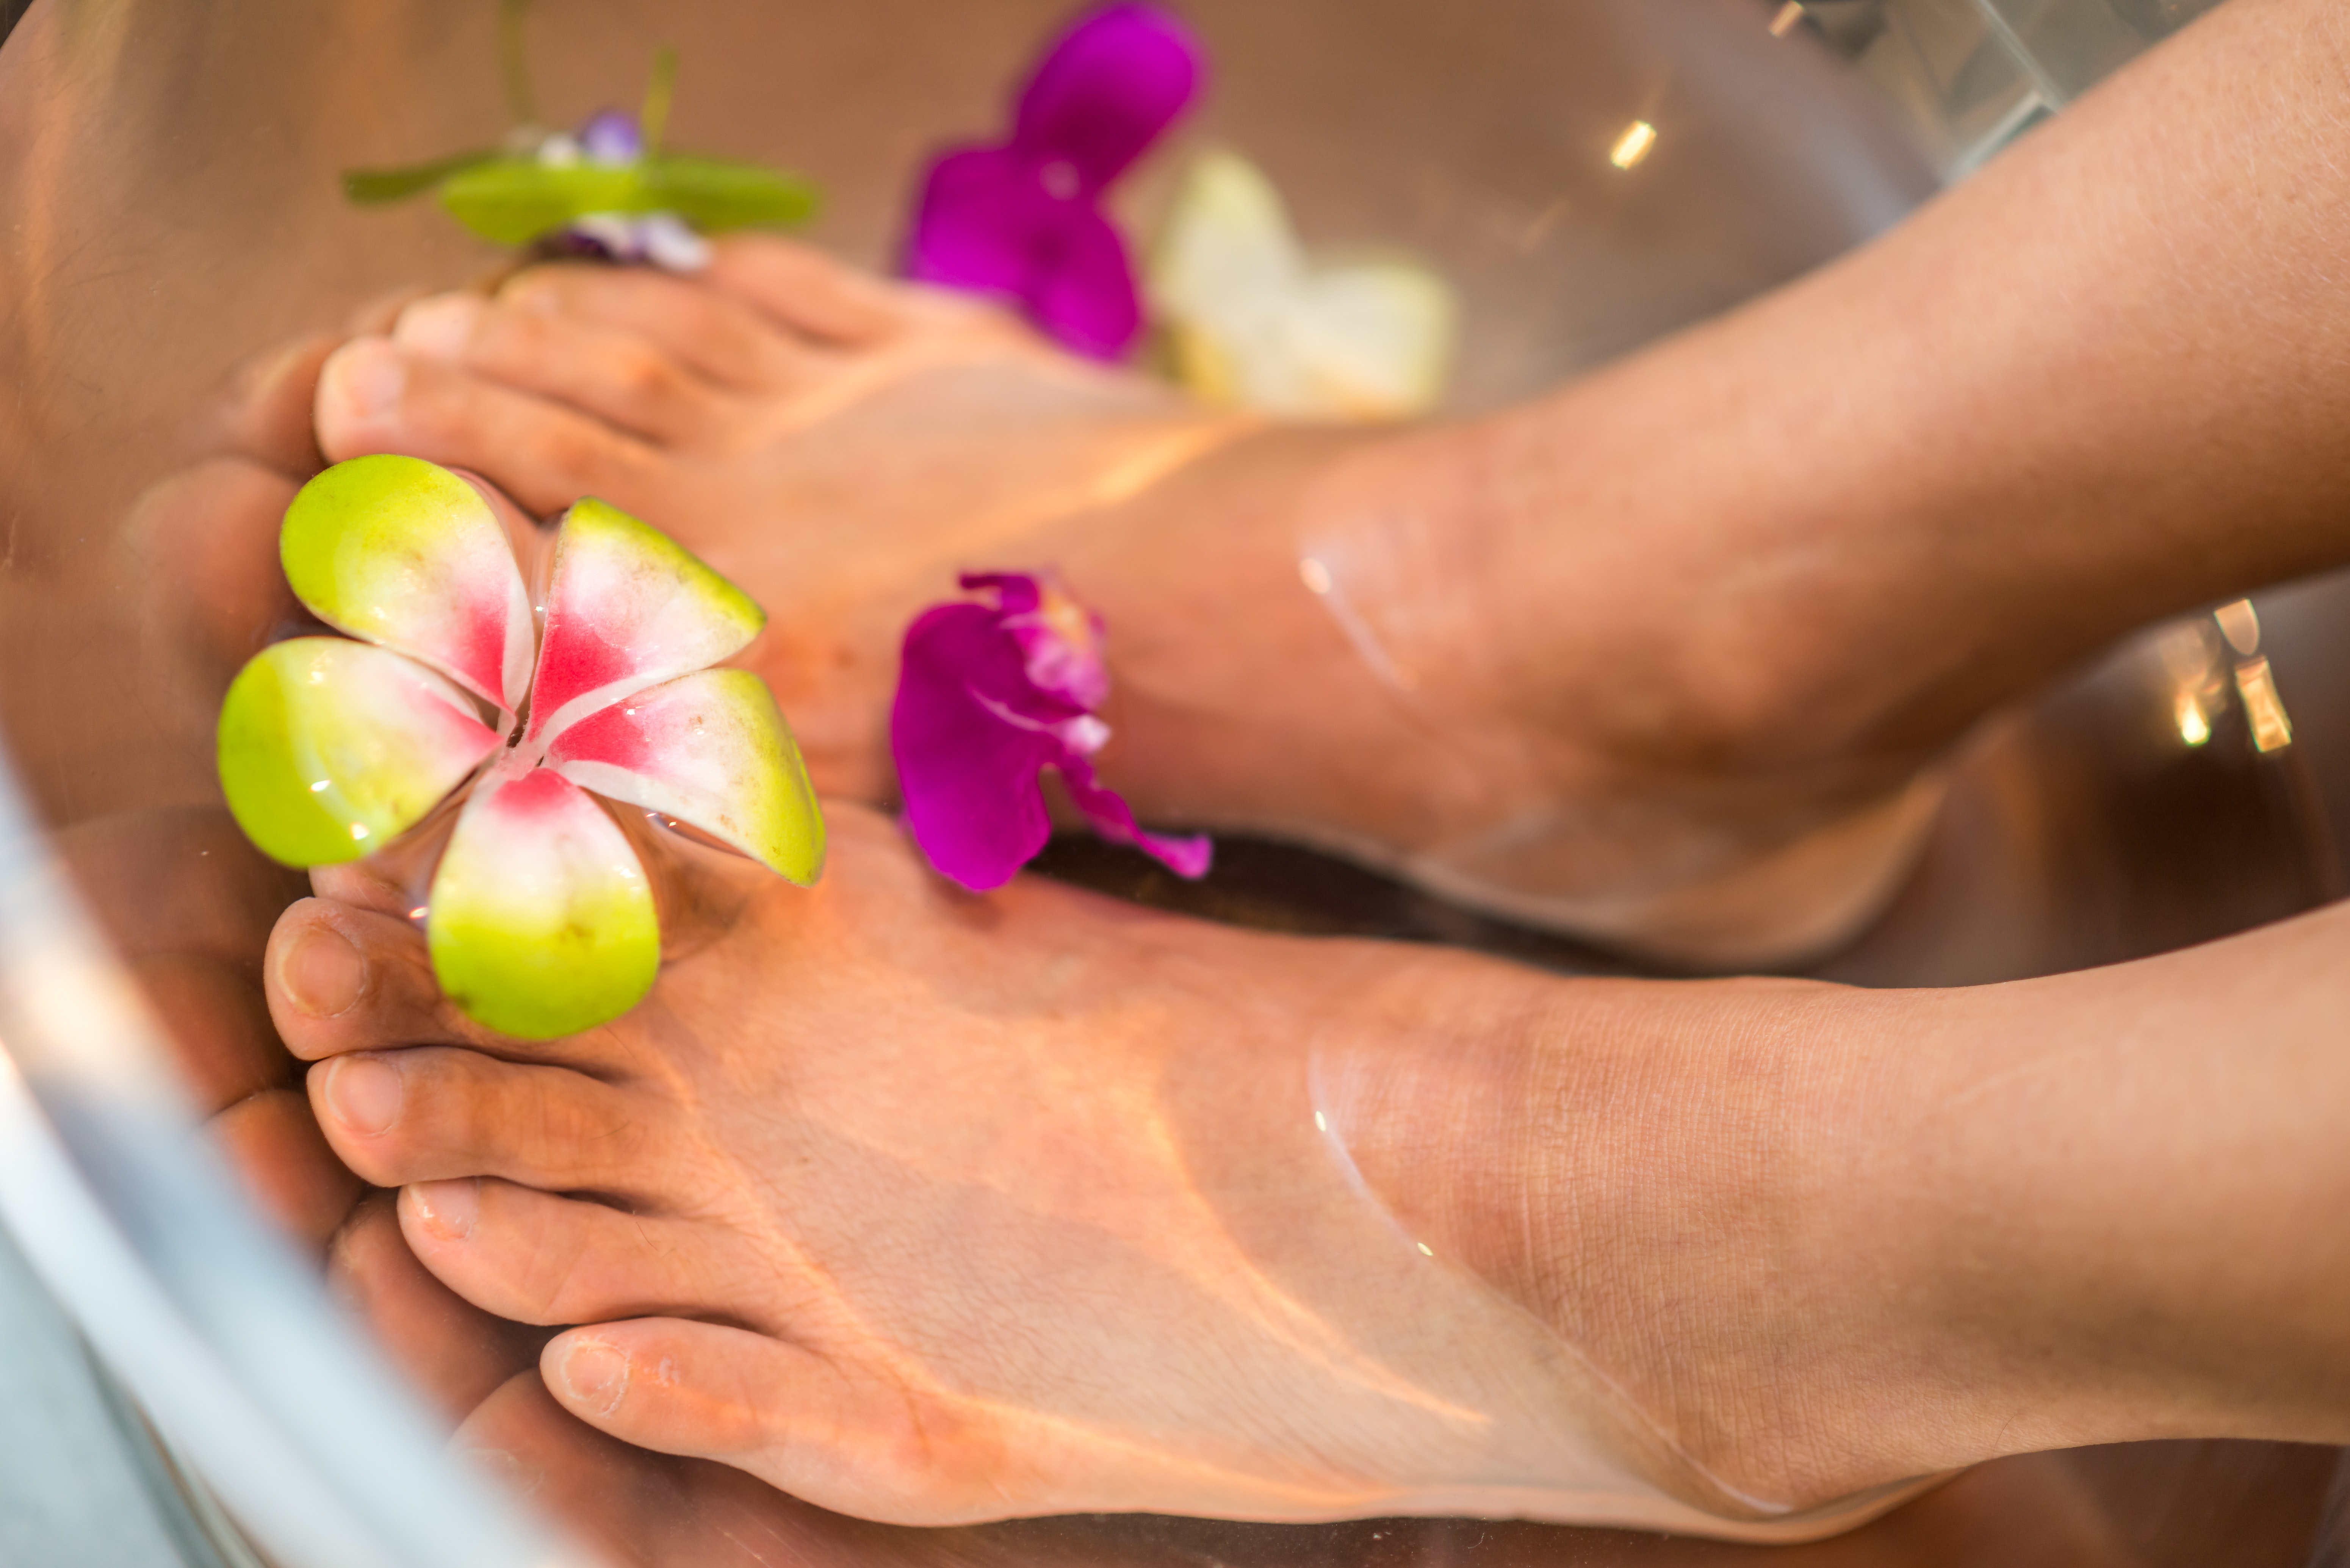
[1662, 1175]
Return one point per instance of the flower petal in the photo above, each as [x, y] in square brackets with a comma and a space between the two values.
[1252, 327]
[1060, 640]
[1108, 88]
[981, 220]
[1082, 292]
[1227, 254]
[330, 748]
[967, 773]
[404, 553]
[541, 919]
[987, 224]
[1107, 810]
[611, 136]
[627, 607]
[1372, 342]
[711, 750]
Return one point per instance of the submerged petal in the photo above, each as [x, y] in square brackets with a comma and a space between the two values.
[975, 724]
[1060, 640]
[1082, 292]
[1372, 342]
[627, 607]
[966, 768]
[989, 223]
[330, 748]
[1107, 813]
[710, 750]
[1250, 326]
[542, 920]
[979, 223]
[404, 553]
[1227, 252]
[1108, 88]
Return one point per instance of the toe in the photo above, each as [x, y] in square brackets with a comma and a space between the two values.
[853, 1443]
[810, 292]
[433, 1114]
[376, 397]
[645, 1508]
[341, 978]
[211, 534]
[608, 373]
[266, 417]
[533, 1257]
[715, 335]
[456, 1352]
[274, 1143]
[221, 1038]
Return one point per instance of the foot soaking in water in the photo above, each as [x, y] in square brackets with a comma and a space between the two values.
[931, 1207]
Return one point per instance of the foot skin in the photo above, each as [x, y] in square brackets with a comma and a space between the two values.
[843, 446]
[839, 445]
[935, 1210]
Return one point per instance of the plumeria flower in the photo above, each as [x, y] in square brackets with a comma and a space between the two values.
[608, 190]
[1021, 218]
[989, 696]
[1252, 325]
[540, 916]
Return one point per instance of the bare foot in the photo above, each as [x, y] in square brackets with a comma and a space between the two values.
[934, 1210]
[839, 445]
[843, 446]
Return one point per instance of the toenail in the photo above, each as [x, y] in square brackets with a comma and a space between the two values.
[595, 1374]
[323, 974]
[448, 1207]
[440, 327]
[368, 378]
[364, 1093]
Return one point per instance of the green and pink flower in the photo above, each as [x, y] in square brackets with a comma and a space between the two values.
[540, 916]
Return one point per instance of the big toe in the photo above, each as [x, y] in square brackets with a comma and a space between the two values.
[338, 978]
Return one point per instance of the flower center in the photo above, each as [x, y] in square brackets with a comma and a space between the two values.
[1060, 179]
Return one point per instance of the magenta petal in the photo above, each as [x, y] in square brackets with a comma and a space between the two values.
[967, 773]
[1108, 88]
[1017, 593]
[971, 731]
[987, 224]
[975, 226]
[1084, 295]
[1112, 817]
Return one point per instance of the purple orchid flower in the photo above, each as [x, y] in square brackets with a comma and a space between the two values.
[1024, 217]
[989, 696]
[611, 136]
[613, 139]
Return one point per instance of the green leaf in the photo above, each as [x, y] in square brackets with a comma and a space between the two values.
[379, 187]
[514, 201]
[715, 194]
